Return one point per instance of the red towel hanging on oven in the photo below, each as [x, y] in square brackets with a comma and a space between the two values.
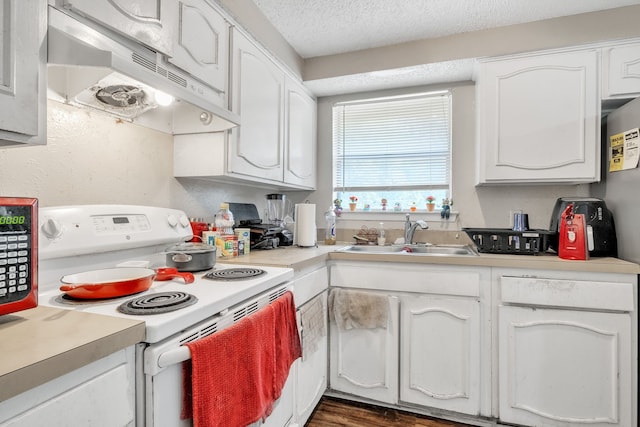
[238, 373]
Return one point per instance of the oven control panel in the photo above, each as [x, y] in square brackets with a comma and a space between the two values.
[86, 229]
[18, 254]
[117, 224]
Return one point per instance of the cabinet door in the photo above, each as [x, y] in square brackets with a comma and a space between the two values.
[539, 119]
[23, 26]
[312, 374]
[564, 368]
[621, 71]
[150, 22]
[200, 43]
[440, 353]
[300, 147]
[256, 146]
[364, 362]
[101, 394]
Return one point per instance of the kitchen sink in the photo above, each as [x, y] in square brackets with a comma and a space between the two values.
[415, 249]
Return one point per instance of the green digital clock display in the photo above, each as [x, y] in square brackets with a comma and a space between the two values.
[13, 219]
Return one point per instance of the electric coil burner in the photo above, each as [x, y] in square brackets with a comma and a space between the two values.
[162, 302]
[233, 274]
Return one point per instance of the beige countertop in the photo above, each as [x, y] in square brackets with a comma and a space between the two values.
[298, 258]
[43, 343]
[285, 256]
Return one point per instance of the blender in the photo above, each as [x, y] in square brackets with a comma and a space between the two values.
[276, 213]
[276, 208]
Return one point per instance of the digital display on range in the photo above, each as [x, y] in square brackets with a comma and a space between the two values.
[120, 220]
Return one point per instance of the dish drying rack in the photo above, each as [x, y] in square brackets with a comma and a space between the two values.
[366, 236]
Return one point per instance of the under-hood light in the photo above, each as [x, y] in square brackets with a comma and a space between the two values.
[163, 99]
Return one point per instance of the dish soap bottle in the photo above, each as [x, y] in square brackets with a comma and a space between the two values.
[330, 230]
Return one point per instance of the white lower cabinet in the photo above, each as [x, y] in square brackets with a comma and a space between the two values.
[440, 352]
[100, 394]
[565, 355]
[311, 373]
[364, 362]
[434, 353]
[311, 369]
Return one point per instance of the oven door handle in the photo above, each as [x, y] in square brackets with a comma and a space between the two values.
[174, 356]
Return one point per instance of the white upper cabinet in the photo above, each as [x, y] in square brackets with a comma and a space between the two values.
[276, 140]
[150, 22]
[300, 147]
[256, 146]
[201, 43]
[621, 70]
[23, 26]
[539, 118]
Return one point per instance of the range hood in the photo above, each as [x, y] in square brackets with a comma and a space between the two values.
[88, 66]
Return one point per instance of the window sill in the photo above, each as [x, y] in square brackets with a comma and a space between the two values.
[395, 216]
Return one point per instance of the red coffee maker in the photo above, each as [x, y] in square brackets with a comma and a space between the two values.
[572, 239]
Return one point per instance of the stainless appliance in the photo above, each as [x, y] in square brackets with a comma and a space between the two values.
[599, 223]
[81, 238]
[263, 236]
[622, 188]
[18, 254]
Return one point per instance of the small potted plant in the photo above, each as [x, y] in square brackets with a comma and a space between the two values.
[384, 204]
[431, 204]
[397, 207]
[353, 200]
[413, 207]
[367, 207]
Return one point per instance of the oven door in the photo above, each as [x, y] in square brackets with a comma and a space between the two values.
[162, 396]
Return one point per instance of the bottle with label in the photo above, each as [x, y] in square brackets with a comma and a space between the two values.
[330, 230]
[224, 220]
[226, 242]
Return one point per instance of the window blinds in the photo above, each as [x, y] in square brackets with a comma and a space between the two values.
[393, 143]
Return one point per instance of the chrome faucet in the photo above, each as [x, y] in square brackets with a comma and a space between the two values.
[410, 229]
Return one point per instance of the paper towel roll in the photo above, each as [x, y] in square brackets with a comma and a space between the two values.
[306, 233]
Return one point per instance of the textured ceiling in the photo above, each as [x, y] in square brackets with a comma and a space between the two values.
[325, 27]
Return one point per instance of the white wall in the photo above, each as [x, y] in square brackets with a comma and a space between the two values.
[478, 206]
[93, 158]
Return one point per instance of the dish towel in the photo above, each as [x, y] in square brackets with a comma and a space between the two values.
[358, 309]
[313, 325]
[238, 373]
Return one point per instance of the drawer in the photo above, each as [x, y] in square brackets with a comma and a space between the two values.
[584, 294]
[310, 285]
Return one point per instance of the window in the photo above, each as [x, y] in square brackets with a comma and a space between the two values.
[397, 148]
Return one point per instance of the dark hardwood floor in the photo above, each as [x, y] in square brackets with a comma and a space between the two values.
[332, 412]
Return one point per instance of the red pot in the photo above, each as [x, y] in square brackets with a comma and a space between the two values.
[107, 283]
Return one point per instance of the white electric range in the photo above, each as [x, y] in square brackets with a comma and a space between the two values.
[74, 239]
